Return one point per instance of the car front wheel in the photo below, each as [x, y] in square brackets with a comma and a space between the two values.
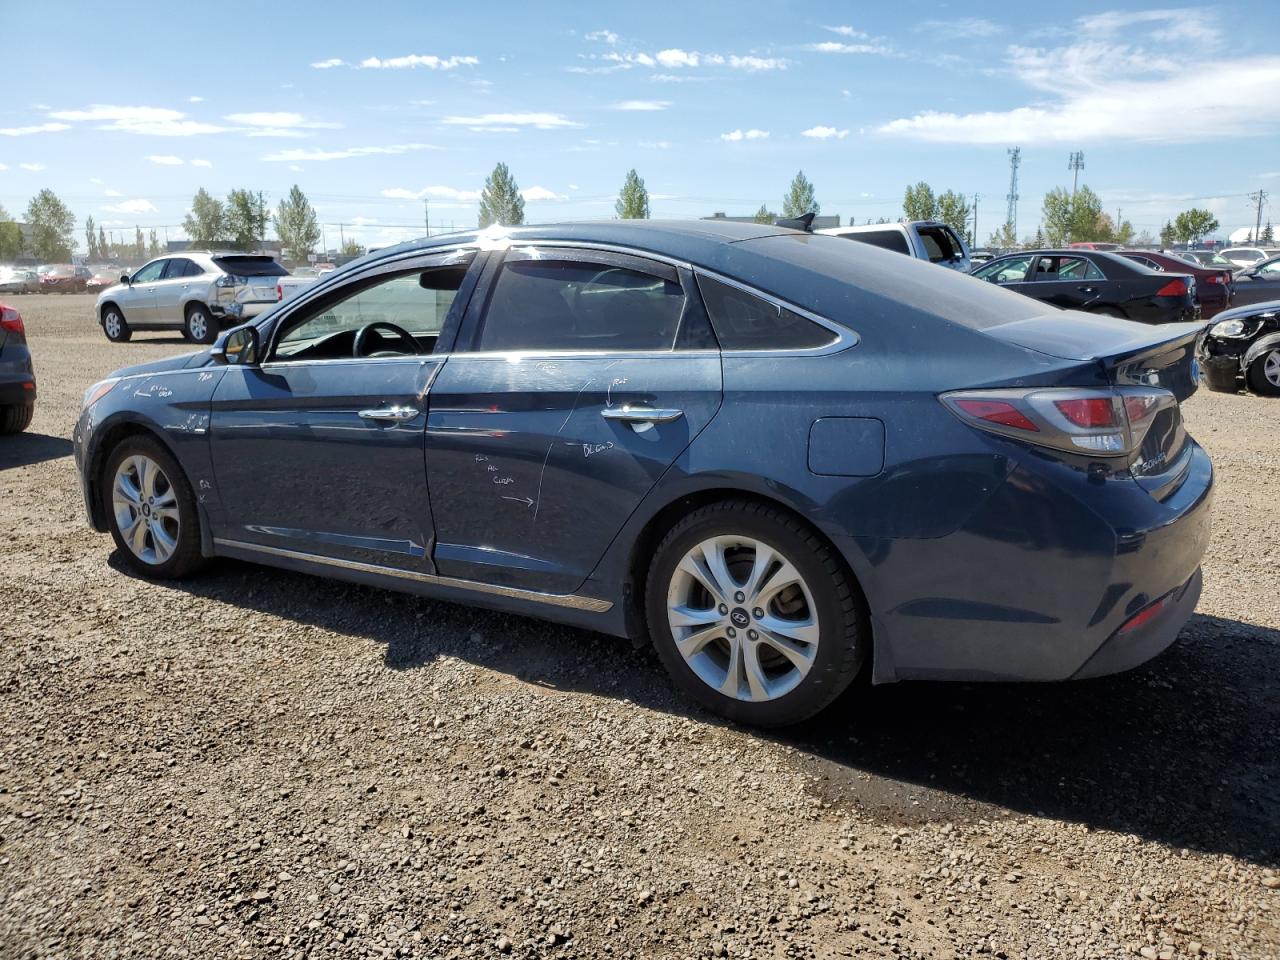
[115, 326]
[1264, 374]
[754, 615]
[151, 510]
[200, 327]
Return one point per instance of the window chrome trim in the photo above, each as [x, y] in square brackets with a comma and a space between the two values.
[845, 337]
[569, 600]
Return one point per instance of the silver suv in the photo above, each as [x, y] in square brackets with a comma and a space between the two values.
[196, 293]
[922, 239]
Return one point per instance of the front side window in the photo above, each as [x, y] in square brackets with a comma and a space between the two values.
[1271, 269]
[743, 321]
[568, 305]
[1013, 270]
[151, 271]
[416, 303]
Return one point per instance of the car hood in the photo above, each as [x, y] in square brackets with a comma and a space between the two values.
[1250, 310]
[185, 361]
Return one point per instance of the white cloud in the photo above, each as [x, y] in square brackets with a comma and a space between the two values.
[147, 121]
[166, 160]
[290, 156]
[195, 99]
[848, 32]
[507, 122]
[33, 167]
[438, 193]
[753, 134]
[201, 163]
[97, 180]
[573, 186]
[3, 166]
[965, 28]
[758, 63]
[655, 144]
[38, 128]
[112, 193]
[329, 64]
[675, 78]
[417, 60]
[830, 46]
[824, 133]
[604, 36]
[642, 105]
[295, 168]
[1092, 89]
[132, 206]
[364, 221]
[279, 121]
[676, 57]
[534, 194]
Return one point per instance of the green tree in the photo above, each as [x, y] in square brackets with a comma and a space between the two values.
[153, 245]
[1144, 239]
[91, 239]
[919, 203]
[1004, 238]
[500, 200]
[800, 199]
[52, 226]
[247, 218]
[206, 222]
[1190, 225]
[10, 237]
[1123, 234]
[103, 249]
[350, 248]
[953, 210]
[1268, 235]
[1167, 235]
[633, 199]
[764, 215]
[1078, 218]
[296, 225]
[139, 243]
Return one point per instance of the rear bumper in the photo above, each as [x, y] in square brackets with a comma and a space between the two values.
[1126, 650]
[17, 391]
[239, 312]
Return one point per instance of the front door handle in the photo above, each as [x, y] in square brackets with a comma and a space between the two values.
[1088, 289]
[641, 413]
[389, 413]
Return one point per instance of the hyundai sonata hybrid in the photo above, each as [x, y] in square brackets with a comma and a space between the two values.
[778, 455]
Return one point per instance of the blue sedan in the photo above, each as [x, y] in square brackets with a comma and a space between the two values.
[782, 457]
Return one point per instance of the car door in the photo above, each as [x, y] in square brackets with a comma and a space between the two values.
[1006, 271]
[586, 373]
[1259, 284]
[170, 290]
[1067, 282]
[318, 451]
[138, 299]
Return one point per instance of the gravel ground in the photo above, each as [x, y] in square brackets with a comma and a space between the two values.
[257, 763]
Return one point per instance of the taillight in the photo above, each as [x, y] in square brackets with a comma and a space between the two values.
[11, 322]
[230, 280]
[279, 292]
[1106, 422]
[1145, 615]
[1174, 288]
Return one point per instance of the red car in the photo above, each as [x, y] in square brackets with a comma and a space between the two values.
[102, 279]
[63, 278]
[1214, 286]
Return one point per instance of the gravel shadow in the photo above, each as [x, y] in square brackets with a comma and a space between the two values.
[1184, 751]
[24, 449]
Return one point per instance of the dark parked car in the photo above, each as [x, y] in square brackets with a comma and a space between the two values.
[63, 278]
[1243, 349]
[778, 455]
[1098, 282]
[1258, 283]
[17, 376]
[1214, 285]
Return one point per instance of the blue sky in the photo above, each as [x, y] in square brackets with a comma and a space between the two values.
[372, 108]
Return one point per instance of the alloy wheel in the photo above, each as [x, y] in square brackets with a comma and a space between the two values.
[743, 618]
[146, 509]
[198, 326]
[112, 324]
[1271, 368]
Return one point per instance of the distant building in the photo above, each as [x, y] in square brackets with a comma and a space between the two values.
[820, 222]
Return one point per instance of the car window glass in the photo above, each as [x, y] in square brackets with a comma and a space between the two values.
[1013, 270]
[176, 269]
[938, 244]
[569, 305]
[416, 302]
[194, 269]
[743, 321]
[893, 240]
[1078, 268]
[151, 271]
[1271, 269]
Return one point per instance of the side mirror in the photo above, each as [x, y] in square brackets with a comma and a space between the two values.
[238, 347]
[124, 278]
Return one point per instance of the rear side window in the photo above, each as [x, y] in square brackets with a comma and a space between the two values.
[893, 240]
[743, 321]
[939, 243]
[177, 268]
[571, 305]
[251, 266]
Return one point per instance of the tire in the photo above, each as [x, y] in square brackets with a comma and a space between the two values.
[16, 417]
[819, 614]
[200, 326]
[152, 515]
[1263, 376]
[114, 325]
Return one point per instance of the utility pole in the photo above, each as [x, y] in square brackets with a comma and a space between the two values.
[1011, 216]
[324, 246]
[1075, 164]
[1259, 197]
[426, 216]
[973, 237]
[342, 240]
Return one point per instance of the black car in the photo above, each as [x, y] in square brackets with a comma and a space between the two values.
[17, 377]
[1259, 283]
[1242, 348]
[1098, 282]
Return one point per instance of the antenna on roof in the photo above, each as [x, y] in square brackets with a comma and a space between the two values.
[803, 222]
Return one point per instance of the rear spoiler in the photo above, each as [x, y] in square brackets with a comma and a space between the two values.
[1072, 335]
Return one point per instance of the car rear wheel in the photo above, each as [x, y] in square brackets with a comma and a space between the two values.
[754, 615]
[1264, 374]
[200, 327]
[115, 326]
[151, 510]
[16, 418]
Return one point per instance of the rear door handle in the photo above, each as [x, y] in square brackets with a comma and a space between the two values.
[389, 413]
[641, 413]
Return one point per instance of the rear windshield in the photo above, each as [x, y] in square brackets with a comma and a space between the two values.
[939, 244]
[251, 266]
[893, 240]
[1245, 254]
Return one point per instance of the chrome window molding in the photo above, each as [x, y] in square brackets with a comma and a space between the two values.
[569, 600]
